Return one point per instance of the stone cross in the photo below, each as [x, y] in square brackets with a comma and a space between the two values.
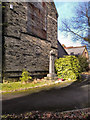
[51, 65]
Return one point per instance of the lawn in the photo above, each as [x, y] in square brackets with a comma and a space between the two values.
[19, 86]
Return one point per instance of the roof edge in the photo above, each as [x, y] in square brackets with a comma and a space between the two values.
[74, 47]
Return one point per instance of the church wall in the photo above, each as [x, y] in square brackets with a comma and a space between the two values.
[27, 43]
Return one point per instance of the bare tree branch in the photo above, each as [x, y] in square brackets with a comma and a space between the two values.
[78, 25]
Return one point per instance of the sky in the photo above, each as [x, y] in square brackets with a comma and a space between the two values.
[65, 10]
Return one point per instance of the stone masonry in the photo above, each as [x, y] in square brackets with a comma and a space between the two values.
[29, 33]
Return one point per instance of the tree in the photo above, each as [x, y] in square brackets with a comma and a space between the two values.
[78, 27]
[84, 64]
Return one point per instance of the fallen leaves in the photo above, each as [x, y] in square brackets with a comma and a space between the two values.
[82, 114]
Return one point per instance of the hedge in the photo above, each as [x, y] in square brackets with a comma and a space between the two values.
[68, 68]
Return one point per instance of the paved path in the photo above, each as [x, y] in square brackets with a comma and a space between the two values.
[72, 97]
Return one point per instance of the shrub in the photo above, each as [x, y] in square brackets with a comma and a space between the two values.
[68, 67]
[25, 76]
[83, 63]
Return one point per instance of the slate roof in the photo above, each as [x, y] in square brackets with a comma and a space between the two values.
[75, 50]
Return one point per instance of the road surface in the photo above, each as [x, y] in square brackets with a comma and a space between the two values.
[75, 96]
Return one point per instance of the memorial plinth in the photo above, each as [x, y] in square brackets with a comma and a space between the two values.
[51, 74]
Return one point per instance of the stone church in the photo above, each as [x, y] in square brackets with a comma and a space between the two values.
[29, 33]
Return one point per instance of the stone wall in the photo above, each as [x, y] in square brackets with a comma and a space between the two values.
[52, 24]
[24, 48]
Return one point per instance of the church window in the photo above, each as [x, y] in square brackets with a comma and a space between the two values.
[37, 19]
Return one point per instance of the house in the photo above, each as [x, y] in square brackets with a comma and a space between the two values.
[61, 50]
[29, 33]
[79, 50]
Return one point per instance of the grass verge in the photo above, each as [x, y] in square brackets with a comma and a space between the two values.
[18, 86]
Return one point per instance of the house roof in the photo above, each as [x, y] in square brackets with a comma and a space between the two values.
[75, 50]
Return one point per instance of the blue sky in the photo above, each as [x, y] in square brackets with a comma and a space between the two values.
[65, 10]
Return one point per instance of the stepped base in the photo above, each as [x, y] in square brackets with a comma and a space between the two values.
[51, 77]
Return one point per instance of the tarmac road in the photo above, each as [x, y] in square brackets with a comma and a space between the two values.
[75, 96]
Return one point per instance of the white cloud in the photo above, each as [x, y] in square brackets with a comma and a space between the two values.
[67, 40]
[66, 10]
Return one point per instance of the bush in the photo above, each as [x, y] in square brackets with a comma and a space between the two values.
[68, 67]
[83, 63]
[25, 76]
